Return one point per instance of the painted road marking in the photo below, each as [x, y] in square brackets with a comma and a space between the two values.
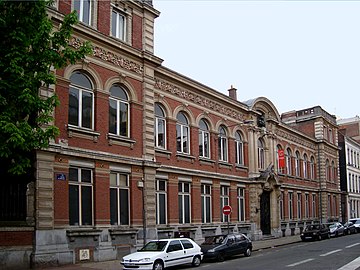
[352, 245]
[301, 262]
[331, 252]
[351, 265]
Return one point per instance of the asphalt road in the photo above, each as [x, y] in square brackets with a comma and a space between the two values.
[342, 253]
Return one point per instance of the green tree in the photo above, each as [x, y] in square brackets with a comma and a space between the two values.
[30, 49]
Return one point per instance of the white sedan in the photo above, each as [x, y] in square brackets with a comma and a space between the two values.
[162, 253]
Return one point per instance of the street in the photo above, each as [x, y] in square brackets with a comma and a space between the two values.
[341, 253]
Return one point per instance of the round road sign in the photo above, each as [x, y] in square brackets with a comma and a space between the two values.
[227, 210]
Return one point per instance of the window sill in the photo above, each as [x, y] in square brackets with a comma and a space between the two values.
[163, 152]
[206, 161]
[83, 133]
[224, 164]
[240, 167]
[185, 157]
[120, 140]
[83, 232]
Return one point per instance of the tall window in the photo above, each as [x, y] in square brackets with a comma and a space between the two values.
[223, 144]
[239, 149]
[312, 168]
[280, 159]
[281, 205]
[261, 154]
[184, 202]
[160, 127]
[119, 111]
[83, 8]
[80, 196]
[305, 166]
[333, 171]
[307, 206]
[161, 200]
[299, 206]
[331, 135]
[288, 161]
[204, 139]
[313, 206]
[118, 25]
[241, 203]
[206, 203]
[327, 170]
[297, 163]
[182, 134]
[224, 200]
[81, 101]
[119, 199]
[291, 209]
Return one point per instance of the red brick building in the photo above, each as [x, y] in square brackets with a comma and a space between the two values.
[145, 152]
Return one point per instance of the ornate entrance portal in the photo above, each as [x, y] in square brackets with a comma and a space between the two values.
[267, 204]
[265, 216]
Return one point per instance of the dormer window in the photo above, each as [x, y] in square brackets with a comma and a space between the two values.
[261, 121]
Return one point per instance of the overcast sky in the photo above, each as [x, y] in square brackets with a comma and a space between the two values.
[298, 54]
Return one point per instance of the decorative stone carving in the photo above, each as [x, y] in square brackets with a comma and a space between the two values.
[202, 101]
[111, 57]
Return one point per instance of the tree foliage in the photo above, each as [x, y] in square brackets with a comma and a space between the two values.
[30, 49]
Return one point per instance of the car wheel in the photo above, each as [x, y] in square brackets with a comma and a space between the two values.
[247, 252]
[196, 261]
[221, 257]
[319, 237]
[158, 265]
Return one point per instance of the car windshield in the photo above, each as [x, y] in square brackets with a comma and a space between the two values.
[155, 246]
[332, 226]
[213, 240]
[312, 227]
[347, 224]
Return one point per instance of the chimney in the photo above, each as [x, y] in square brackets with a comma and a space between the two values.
[232, 92]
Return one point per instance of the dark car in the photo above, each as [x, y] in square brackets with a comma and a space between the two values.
[218, 247]
[349, 228]
[356, 222]
[336, 229]
[315, 232]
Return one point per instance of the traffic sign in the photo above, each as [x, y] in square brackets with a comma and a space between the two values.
[227, 210]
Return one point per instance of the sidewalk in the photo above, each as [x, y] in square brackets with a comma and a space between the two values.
[115, 265]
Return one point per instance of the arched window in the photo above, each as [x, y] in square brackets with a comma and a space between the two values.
[305, 166]
[261, 154]
[223, 144]
[239, 149]
[204, 139]
[81, 100]
[182, 134]
[288, 161]
[297, 163]
[160, 127]
[312, 168]
[119, 117]
[333, 171]
[327, 170]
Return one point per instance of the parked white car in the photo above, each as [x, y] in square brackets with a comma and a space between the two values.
[162, 253]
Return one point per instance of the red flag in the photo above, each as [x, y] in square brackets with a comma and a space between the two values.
[281, 156]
